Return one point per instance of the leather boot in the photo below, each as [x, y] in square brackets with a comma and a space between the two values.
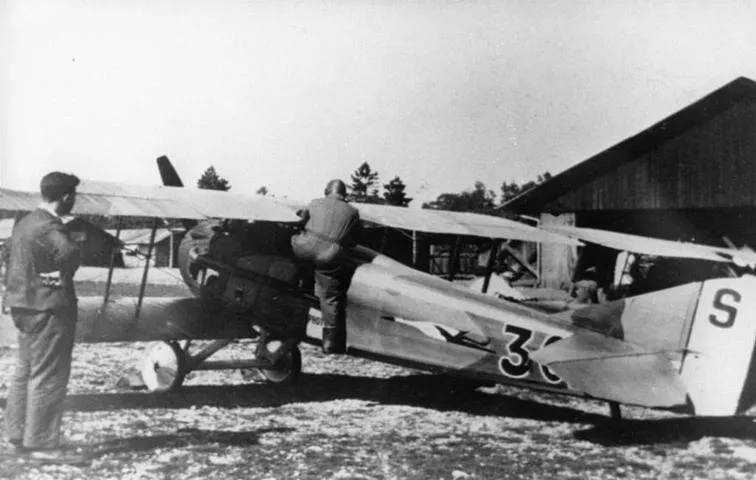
[334, 341]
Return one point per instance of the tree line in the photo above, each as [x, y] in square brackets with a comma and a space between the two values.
[365, 187]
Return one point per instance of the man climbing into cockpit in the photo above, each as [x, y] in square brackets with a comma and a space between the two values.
[331, 225]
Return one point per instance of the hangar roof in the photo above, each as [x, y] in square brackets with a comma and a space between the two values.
[698, 113]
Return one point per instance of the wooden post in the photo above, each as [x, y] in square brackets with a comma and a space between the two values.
[146, 267]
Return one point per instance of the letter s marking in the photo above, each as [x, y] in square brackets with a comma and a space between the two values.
[728, 308]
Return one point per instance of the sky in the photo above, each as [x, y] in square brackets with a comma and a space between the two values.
[289, 94]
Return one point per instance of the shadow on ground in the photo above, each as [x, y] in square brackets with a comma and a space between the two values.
[682, 430]
[196, 439]
[427, 391]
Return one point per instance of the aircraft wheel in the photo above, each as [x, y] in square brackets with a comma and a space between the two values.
[164, 367]
[287, 369]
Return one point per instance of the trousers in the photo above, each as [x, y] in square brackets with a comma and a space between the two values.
[331, 285]
[34, 410]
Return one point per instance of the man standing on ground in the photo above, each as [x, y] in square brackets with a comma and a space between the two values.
[331, 226]
[40, 293]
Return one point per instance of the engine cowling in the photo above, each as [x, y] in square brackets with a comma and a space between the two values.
[196, 242]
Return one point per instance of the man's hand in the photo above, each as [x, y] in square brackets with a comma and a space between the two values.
[303, 215]
[51, 279]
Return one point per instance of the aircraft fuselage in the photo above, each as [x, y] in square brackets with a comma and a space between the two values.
[400, 315]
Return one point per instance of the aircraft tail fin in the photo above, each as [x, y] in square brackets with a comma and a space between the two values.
[703, 358]
[168, 174]
[718, 366]
[171, 178]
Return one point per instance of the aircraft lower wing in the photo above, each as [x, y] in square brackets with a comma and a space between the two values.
[171, 318]
[610, 369]
[160, 318]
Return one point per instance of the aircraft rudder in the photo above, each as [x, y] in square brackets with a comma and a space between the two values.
[168, 173]
[717, 363]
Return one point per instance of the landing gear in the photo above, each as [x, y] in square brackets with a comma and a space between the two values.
[287, 368]
[167, 363]
[164, 367]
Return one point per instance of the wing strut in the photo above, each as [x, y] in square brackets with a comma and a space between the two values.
[455, 251]
[113, 253]
[146, 267]
[495, 247]
[508, 250]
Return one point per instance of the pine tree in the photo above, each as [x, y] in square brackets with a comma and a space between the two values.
[478, 200]
[393, 193]
[363, 188]
[210, 180]
[510, 190]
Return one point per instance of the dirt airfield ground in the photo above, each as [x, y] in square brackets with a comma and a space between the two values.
[349, 418]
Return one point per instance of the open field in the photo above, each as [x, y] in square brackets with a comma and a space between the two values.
[349, 418]
[354, 419]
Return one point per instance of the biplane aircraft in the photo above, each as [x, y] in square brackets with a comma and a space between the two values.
[689, 348]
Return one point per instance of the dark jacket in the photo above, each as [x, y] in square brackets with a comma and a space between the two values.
[331, 225]
[42, 263]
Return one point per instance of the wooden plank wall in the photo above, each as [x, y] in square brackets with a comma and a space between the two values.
[710, 166]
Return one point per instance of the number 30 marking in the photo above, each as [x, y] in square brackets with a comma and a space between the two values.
[517, 362]
[516, 348]
[725, 301]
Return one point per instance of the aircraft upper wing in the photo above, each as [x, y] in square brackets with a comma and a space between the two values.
[458, 223]
[18, 201]
[655, 246]
[116, 199]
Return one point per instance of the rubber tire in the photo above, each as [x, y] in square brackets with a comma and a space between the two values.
[288, 370]
[172, 378]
